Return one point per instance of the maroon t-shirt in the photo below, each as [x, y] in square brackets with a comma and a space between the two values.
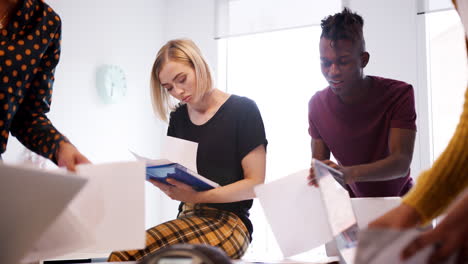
[359, 133]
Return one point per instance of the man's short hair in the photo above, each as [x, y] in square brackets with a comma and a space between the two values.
[345, 25]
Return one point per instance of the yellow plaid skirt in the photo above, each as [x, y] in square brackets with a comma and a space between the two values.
[196, 224]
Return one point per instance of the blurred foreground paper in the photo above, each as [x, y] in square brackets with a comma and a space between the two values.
[112, 205]
[384, 246]
[108, 214]
[30, 201]
[365, 210]
[303, 217]
[368, 209]
[66, 234]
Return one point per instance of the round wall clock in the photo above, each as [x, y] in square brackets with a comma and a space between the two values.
[111, 83]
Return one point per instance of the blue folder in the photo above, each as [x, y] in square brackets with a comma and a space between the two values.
[179, 173]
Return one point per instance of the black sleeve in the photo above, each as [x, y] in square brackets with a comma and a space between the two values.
[171, 128]
[251, 131]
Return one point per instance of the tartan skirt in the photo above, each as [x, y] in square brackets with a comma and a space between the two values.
[196, 224]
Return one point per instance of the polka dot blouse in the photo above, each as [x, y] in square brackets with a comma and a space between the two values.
[29, 52]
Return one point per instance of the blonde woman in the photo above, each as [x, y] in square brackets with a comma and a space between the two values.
[231, 151]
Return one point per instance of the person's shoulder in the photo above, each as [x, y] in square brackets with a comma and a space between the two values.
[179, 111]
[240, 102]
[394, 90]
[43, 6]
[391, 84]
[51, 17]
[319, 96]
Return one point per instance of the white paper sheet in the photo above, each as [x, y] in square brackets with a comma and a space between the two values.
[149, 161]
[108, 214]
[337, 204]
[304, 217]
[30, 200]
[112, 205]
[66, 234]
[295, 212]
[384, 246]
[348, 255]
[180, 151]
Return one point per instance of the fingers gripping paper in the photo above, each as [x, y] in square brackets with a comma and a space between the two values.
[303, 217]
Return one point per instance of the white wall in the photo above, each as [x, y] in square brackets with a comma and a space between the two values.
[107, 32]
[394, 36]
[194, 20]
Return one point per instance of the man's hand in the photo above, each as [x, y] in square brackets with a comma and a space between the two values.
[68, 156]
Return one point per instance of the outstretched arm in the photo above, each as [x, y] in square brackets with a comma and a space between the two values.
[396, 165]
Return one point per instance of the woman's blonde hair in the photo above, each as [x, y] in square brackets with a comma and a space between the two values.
[183, 51]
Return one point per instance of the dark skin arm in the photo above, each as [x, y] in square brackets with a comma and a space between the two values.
[396, 165]
[320, 151]
[450, 236]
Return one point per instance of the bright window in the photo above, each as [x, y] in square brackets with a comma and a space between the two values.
[280, 71]
[447, 75]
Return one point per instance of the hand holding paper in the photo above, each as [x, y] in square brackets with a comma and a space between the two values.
[178, 191]
[449, 237]
[176, 150]
[68, 156]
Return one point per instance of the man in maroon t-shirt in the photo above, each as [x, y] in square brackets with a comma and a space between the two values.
[367, 122]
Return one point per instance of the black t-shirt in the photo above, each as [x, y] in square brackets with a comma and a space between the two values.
[223, 141]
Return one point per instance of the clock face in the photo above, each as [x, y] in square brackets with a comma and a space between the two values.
[111, 83]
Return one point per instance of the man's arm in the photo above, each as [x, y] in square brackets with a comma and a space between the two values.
[396, 165]
[319, 149]
[321, 152]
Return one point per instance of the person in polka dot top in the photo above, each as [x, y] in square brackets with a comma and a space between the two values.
[29, 52]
